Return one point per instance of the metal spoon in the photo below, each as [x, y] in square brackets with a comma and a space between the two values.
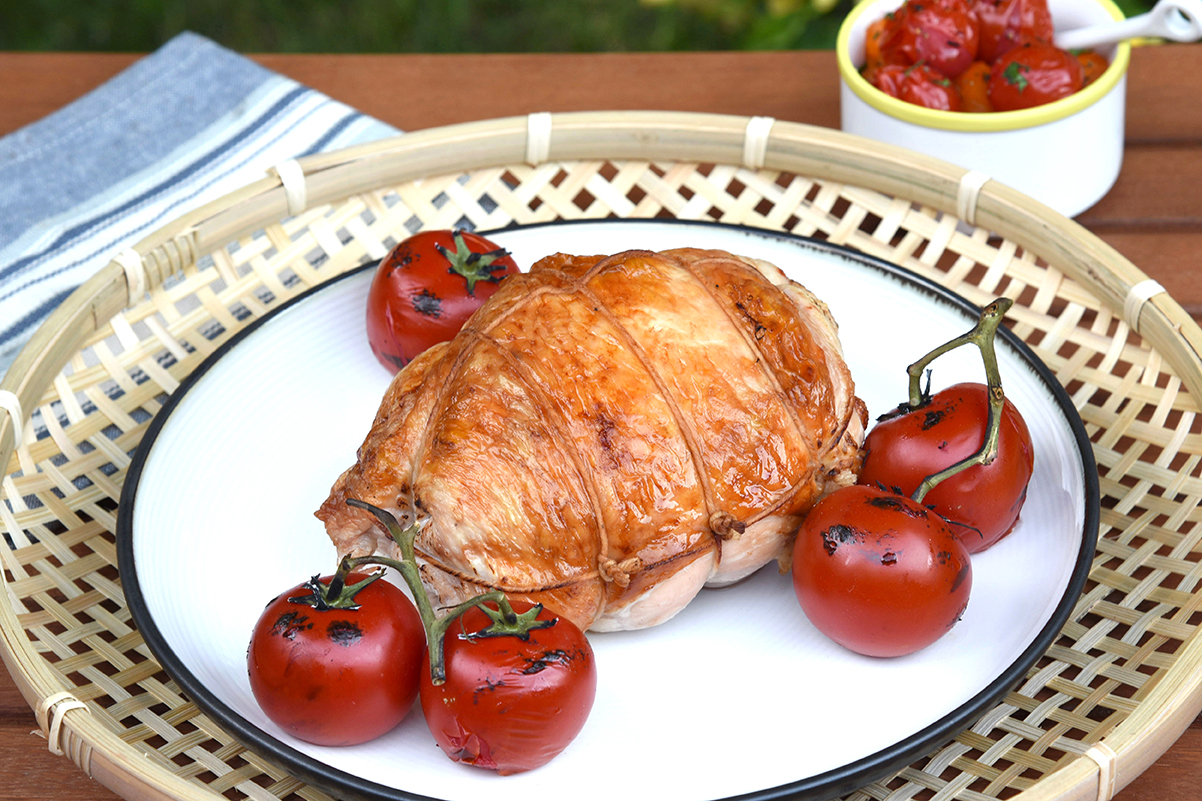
[1177, 20]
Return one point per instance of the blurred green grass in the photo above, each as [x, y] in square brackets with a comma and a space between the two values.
[429, 26]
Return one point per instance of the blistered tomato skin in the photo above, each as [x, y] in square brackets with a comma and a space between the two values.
[942, 34]
[337, 676]
[1004, 24]
[917, 84]
[878, 573]
[1033, 74]
[984, 501]
[508, 704]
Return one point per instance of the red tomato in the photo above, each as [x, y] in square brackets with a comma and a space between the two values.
[335, 676]
[510, 704]
[425, 289]
[1004, 24]
[917, 84]
[983, 501]
[878, 573]
[939, 33]
[1033, 74]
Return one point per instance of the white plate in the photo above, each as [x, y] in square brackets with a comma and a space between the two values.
[737, 695]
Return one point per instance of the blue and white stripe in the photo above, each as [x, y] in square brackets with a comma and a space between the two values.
[185, 125]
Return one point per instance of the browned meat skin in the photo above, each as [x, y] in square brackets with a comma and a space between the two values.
[608, 435]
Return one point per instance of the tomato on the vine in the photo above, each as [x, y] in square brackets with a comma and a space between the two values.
[879, 573]
[1032, 74]
[509, 703]
[982, 503]
[425, 289]
[337, 664]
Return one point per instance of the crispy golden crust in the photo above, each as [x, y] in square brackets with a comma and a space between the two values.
[608, 435]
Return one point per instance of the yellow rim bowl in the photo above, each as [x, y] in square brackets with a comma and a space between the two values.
[966, 121]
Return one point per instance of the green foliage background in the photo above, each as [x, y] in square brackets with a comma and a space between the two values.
[428, 26]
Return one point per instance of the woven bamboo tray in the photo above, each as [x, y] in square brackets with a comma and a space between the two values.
[1113, 692]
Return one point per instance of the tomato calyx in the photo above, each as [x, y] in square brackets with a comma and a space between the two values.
[510, 623]
[335, 595]
[471, 265]
[505, 621]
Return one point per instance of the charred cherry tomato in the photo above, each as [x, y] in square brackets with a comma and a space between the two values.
[941, 34]
[973, 86]
[982, 502]
[425, 289]
[879, 573]
[510, 704]
[1093, 64]
[917, 84]
[1004, 24]
[1032, 74]
[336, 667]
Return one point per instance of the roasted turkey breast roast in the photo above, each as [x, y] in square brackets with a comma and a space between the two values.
[608, 435]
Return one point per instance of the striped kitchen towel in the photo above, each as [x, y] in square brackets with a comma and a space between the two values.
[179, 128]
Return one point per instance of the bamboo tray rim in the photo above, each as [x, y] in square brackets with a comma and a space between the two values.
[752, 143]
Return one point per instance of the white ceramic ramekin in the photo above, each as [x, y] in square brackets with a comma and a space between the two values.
[1065, 154]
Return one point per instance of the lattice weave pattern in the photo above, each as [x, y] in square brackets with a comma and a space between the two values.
[1140, 604]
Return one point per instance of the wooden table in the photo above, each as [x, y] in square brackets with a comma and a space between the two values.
[1153, 215]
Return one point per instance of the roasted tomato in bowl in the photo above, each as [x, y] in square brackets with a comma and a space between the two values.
[425, 289]
[919, 52]
[1032, 74]
[1004, 24]
[940, 34]
[917, 84]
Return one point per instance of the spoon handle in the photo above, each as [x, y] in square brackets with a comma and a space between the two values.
[1109, 33]
[1177, 20]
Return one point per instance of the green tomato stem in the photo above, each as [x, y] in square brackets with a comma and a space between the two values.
[983, 336]
[505, 620]
[337, 594]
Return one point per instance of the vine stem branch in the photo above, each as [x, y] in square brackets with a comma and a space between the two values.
[982, 336]
[505, 619]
